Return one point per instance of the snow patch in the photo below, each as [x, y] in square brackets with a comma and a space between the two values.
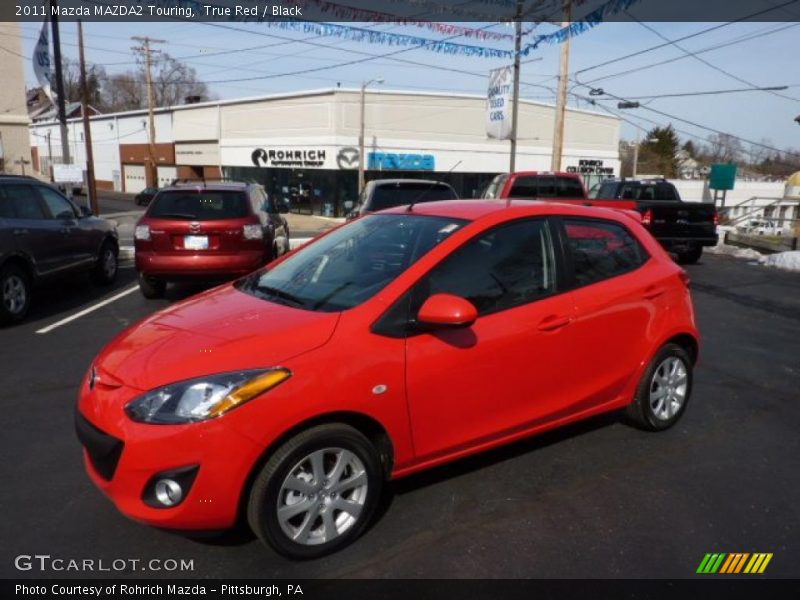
[789, 261]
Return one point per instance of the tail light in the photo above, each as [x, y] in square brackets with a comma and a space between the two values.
[142, 233]
[253, 232]
[716, 218]
[684, 277]
[647, 218]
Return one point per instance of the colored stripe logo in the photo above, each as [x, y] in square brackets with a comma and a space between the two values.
[734, 563]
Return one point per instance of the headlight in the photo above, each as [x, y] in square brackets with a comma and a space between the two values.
[203, 398]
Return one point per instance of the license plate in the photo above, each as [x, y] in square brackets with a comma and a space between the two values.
[195, 242]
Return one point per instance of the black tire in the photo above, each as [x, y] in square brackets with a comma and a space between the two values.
[151, 288]
[690, 257]
[265, 495]
[105, 272]
[15, 282]
[640, 411]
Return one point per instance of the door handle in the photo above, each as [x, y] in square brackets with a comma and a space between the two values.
[652, 291]
[554, 322]
[21, 232]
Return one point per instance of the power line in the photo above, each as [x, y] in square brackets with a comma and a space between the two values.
[707, 93]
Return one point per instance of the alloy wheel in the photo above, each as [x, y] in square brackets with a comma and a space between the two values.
[668, 388]
[322, 496]
[15, 294]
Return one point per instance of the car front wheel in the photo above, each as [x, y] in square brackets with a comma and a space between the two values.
[317, 492]
[105, 272]
[690, 257]
[663, 392]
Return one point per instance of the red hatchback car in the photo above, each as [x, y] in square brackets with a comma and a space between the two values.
[207, 231]
[400, 341]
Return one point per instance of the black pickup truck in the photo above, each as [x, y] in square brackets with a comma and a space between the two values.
[683, 228]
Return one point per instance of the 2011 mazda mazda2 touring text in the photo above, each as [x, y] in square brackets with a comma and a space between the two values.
[400, 341]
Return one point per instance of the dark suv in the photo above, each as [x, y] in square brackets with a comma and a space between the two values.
[44, 235]
[380, 194]
[207, 231]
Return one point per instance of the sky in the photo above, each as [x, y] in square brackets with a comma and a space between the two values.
[756, 54]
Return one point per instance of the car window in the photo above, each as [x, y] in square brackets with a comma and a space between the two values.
[391, 195]
[59, 207]
[351, 264]
[604, 190]
[510, 265]
[567, 187]
[601, 249]
[21, 201]
[199, 205]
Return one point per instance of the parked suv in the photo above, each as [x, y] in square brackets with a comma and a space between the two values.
[207, 231]
[44, 235]
[381, 194]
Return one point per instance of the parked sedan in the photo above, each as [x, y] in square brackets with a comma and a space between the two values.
[43, 235]
[296, 392]
[207, 232]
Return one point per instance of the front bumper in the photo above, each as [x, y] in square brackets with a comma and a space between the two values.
[123, 457]
[189, 266]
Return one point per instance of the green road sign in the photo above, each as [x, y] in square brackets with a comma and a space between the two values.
[722, 177]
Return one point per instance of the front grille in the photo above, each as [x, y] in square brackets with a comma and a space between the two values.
[104, 450]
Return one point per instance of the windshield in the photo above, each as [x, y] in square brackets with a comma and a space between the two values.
[199, 205]
[388, 196]
[352, 264]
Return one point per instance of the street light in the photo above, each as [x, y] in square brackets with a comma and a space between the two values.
[361, 156]
[797, 119]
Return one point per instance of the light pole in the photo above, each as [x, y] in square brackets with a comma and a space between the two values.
[362, 159]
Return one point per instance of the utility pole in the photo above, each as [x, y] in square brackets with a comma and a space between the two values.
[362, 159]
[561, 103]
[148, 52]
[87, 129]
[49, 156]
[515, 106]
[60, 100]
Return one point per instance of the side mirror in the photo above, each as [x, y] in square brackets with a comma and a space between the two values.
[447, 311]
[86, 211]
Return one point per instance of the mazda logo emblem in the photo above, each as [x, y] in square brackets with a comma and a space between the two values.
[347, 158]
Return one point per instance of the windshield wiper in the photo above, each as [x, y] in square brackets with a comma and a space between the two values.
[280, 294]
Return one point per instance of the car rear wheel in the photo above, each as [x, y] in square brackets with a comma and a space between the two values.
[664, 391]
[151, 288]
[15, 294]
[317, 492]
[690, 257]
[107, 264]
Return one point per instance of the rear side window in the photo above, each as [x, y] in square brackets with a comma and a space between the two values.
[200, 205]
[546, 186]
[601, 249]
[20, 202]
[388, 196]
[506, 267]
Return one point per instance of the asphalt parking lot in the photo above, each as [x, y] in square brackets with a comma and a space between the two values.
[599, 499]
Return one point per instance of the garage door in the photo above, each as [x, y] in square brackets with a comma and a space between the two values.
[166, 175]
[135, 180]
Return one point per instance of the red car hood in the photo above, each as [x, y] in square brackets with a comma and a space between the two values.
[221, 330]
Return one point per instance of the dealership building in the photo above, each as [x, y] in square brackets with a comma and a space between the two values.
[304, 146]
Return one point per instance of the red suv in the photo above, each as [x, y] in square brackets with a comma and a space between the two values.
[395, 343]
[207, 232]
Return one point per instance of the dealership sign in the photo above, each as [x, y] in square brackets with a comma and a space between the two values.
[591, 167]
[498, 104]
[288, 157]
[389, 161]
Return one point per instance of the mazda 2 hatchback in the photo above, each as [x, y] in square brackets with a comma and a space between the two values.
[395, 343]
[206, 232]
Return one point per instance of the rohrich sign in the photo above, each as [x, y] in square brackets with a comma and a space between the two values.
[590, 167]
[263, 157]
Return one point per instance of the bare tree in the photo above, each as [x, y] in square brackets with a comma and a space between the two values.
[723, 147]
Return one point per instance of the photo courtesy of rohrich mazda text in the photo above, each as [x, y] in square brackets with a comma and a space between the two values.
[391, 298]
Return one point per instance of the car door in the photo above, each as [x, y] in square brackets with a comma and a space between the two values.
[36, 236]
[619, 296]
[78, 241]
[505, 372]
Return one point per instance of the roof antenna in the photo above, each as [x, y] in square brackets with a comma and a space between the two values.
[427, 189]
